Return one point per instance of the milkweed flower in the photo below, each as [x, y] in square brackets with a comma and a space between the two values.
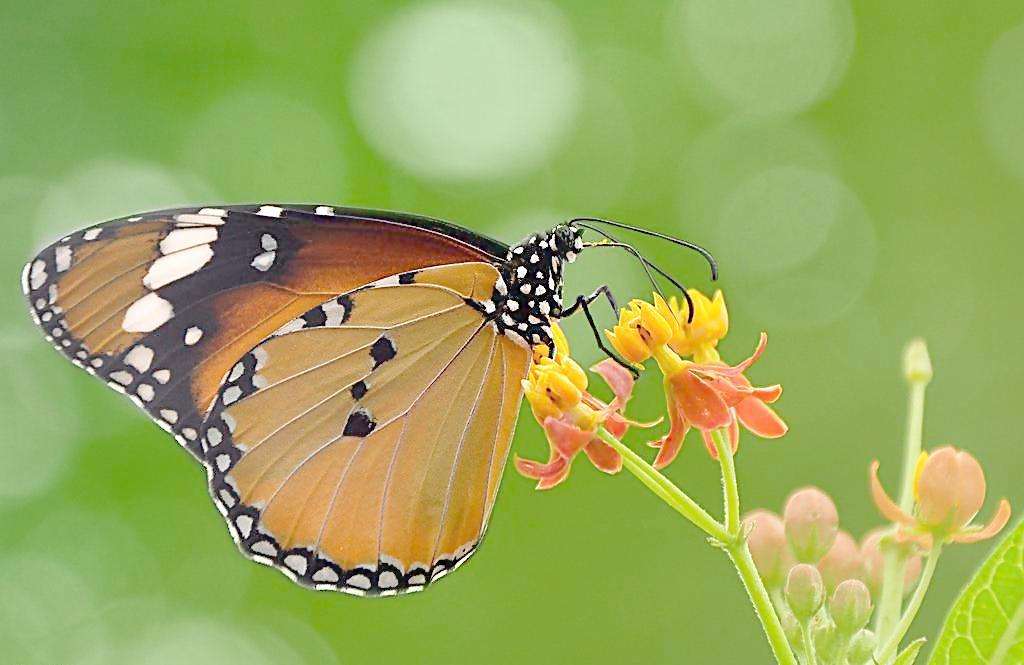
[556, 389]
[949, 490]
[705, 393]
[871, 551]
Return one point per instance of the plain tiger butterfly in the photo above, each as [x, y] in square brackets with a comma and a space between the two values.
[350, 379]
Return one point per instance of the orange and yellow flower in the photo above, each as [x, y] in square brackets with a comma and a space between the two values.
[556, 389]
[704, 393]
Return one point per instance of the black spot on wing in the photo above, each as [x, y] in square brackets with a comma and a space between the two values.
[359, 423]
[315, 317]
[407, 278]
[346, 303]
[382, 351]
[359, 389]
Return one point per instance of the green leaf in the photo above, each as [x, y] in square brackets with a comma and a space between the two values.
[909, 655]
[986, 624]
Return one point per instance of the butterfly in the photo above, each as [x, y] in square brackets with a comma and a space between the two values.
[349, 378]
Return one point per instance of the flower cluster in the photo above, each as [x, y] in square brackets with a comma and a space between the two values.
[703, 393]
[824, 583]
[949, 490]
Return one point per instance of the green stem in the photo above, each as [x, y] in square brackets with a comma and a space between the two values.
[729, 485]
[665, 489]
[734, 545]
[809, 651]
[895, 559]
[890, 646]
[740, 555]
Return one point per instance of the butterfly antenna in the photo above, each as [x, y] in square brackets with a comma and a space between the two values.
[648, 266]
[654, 234]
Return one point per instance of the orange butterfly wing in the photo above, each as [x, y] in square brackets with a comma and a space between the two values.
[161, 305]
[363, 452]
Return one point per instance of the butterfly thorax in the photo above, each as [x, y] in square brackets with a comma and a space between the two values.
[528, 296]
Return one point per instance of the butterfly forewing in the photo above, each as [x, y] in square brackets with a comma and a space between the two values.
[360, 447]
[163, 304]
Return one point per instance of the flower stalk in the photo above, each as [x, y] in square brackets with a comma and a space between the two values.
[892, 643]
[731, 540]
[917, 369]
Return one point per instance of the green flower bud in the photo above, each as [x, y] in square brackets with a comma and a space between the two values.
[862, 648]
[805, 592]
[917, 365]
[850, 606]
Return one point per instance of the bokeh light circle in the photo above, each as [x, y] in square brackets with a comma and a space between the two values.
[36, 446]
[768, 57]
[110, 187]
[778, 218]
[257, 145]
[467, 90]
[1002, 99]
[797, 248]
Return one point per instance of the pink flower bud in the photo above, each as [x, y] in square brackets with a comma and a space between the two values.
[950, 489]
[805, 592]
[872, 551]
[766, 538]
[842, 562]
[811, 523]
[850, 606]
[862, 648]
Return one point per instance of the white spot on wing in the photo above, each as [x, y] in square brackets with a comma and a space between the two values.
[264, 261]
[270, 211]
[325, 210]
[193, 335]
[63, 257]
[92, 234]
[145, 391]
[147, 314]
[139, 357]
[179, 239]
[175, 266]
[268, 242]
[37, 277]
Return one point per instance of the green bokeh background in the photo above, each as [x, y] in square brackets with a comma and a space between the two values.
[858, 168]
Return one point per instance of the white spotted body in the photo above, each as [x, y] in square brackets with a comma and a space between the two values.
[529, 295]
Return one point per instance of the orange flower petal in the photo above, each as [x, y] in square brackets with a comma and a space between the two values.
[760, 419]
[539, 470]
[671, 443]
[618, 379]
[999, 520]
[566, 438]
[885, 505]
[603, 456]
[700, 404]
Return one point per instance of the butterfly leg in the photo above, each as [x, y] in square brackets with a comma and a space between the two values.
[583, 302]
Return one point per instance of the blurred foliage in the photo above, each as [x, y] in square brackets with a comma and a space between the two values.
[856, 167]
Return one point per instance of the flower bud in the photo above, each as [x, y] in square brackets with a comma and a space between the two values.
[917, 366]
[811, 523]
[842, 562]
[872, 553]
[862, 648]
[850, 606]
[949, 486]
[805, 591]
[766, 538]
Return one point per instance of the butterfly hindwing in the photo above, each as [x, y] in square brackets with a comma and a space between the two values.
[162, 305]
[360, 447]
